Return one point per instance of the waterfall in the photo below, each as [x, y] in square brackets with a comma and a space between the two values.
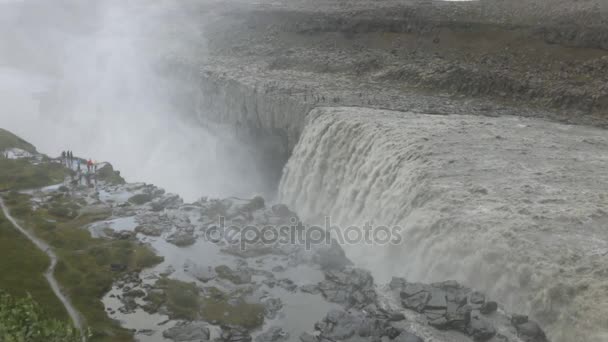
[511, 206]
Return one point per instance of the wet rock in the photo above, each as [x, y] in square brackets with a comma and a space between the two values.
[278, 269]
[274, 334]
[310, 288]
[518, 319]
[234, 334]
[168, 201]
[355, 325]
[181, 239]
[140, 199]
[416, 302]
[351, 287]
[237, 277]
[480, 329]
[530, 331]
[287, 284]
[306, 337]
[148, 230]
[282, 211]
[407, 337]
[123, 235]
[188, 332]
[477, 298]
[488, 307]
[136, 293]
[254, 204]
[437, 300]
[271, 307]
[331, 257]
[146, 332]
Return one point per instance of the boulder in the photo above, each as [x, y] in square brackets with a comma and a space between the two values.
[237, 277]
[274, 334]
[181, 239]
[188, 332]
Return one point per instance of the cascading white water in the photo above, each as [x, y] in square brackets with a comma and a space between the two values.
[512, 206]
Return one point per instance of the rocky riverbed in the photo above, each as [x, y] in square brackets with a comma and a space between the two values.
[209, 288]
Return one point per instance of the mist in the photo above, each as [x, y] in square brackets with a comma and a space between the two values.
[91, 77]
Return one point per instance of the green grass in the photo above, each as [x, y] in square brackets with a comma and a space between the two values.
[22, 270]
[9, 140]
[84, 267]
[20, 174]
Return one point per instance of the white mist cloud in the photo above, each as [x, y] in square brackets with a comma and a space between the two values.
[83, 76]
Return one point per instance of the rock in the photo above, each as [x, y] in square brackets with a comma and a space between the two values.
[530, 331]
[351, 286]
[137, 293]
[140, 199]
[123, 235]
[234, 334]
[282, 211]
[397, 283]
[407, 337]
[274, 334]
[488, 307]
[255, 203]
[437, 300]
[238, 277]
[278, 269]
[181, 239]
[341, 325]
[355, 325]
[416, 302]
[167, 201]
[410, 289]
[188, 332]
[480, 329]
[477, 298]
[271, 307]
[306, 337]
[287, 284]
[518, 319]
[148, 230]
[331, 257]
[310, 288]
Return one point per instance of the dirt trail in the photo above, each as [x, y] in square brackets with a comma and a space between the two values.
[74, 314]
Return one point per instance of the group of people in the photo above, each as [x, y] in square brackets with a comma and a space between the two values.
[67, 157]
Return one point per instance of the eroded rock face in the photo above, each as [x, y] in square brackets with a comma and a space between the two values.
[354, 325]
[451, 306]
[350, 287]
